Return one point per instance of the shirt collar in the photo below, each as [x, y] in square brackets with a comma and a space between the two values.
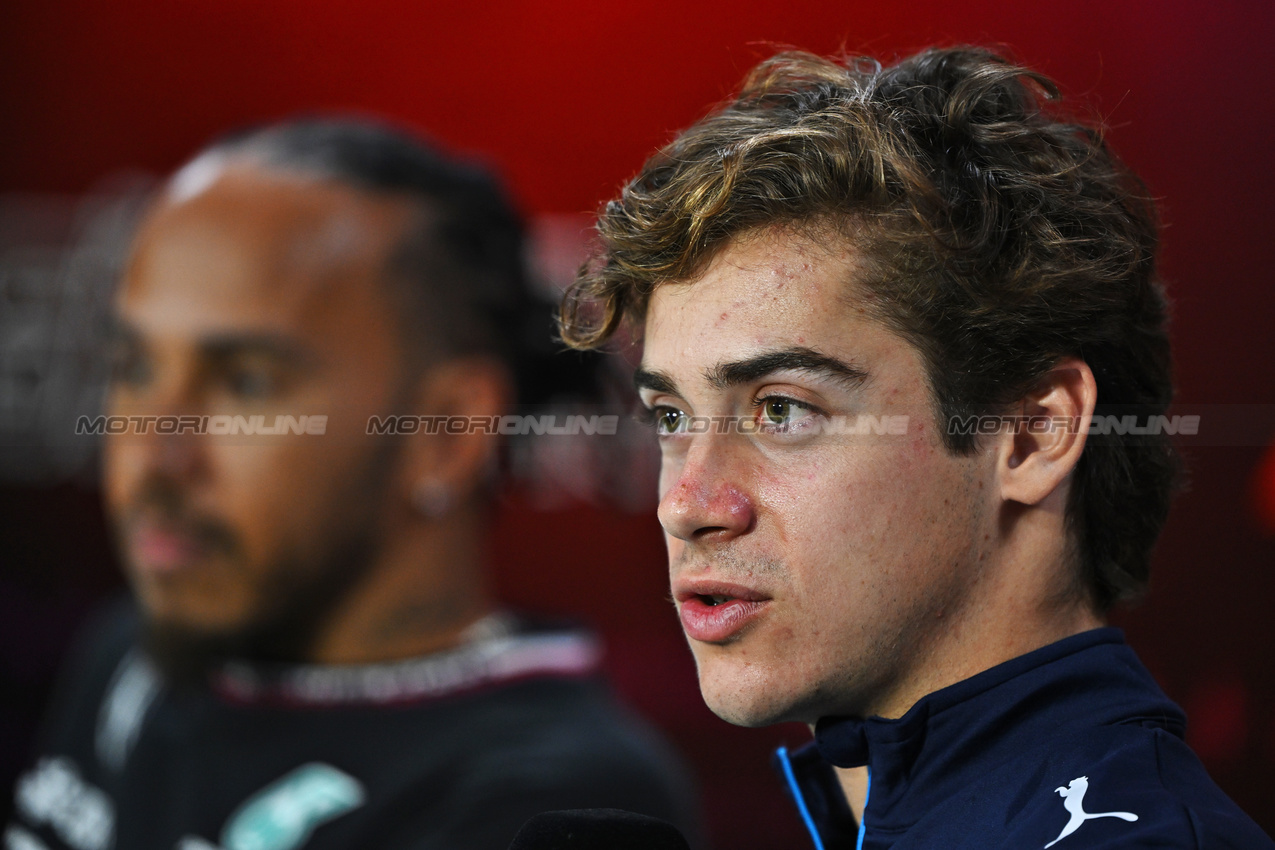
[929, 753]
[494, 651]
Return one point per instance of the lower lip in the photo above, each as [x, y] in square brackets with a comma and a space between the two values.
[718, 623]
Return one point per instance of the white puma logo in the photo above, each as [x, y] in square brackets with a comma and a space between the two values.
[1073, 800]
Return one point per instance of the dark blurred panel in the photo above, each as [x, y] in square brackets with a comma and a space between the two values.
[57, 566]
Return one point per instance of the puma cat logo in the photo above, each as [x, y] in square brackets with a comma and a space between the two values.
[1074, 801]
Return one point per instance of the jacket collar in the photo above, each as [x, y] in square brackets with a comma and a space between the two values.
[961, 732]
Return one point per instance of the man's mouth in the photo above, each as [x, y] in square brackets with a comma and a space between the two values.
[158, 550]
[716, 612]
[161, 548]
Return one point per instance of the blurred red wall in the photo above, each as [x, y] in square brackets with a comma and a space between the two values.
[567, 98]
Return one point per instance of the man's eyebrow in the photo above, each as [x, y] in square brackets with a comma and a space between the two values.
[733, 374]
[659, 382]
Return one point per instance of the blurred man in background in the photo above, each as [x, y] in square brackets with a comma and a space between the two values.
[314, 659]
[890, 316]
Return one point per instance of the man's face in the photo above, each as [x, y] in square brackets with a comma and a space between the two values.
[815, 573]
[260, 295]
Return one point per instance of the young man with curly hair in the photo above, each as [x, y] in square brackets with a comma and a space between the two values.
[886, 316]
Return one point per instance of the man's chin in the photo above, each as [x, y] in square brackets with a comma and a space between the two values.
[753, 695]
[186, 649]
[747, 707]
[186, 654]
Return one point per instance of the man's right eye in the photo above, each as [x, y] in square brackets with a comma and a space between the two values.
[128, 368]
[251, 383]
[668, 420]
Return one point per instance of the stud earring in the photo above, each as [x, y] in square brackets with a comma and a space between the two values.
[432, 497]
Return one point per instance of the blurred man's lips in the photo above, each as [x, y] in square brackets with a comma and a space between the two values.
[714, 612]
[163, 550]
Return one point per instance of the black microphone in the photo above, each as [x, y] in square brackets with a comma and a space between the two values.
[597, 829]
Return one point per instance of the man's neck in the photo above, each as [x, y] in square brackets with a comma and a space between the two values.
[854, 784]
[1001, 645]
[1023, 597]
[1013, 633]
[424, 590]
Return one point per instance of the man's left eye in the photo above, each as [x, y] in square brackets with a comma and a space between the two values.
[251, 384]
[782, 414]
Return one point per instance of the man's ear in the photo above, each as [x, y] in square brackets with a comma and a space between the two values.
[1044, 446]
[464, 397]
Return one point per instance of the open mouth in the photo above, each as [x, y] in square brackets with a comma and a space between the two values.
[714, 593]
[718, 613]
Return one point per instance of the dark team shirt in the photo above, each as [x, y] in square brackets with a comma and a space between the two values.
[1072, 746]
[448, 752]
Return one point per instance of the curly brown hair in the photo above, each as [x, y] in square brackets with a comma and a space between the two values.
[1000, 236]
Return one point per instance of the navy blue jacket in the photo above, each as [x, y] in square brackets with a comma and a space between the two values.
[1073, 745]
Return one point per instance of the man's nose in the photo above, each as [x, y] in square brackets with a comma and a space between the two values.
[163, 439]
[707, 496]
[176, 456]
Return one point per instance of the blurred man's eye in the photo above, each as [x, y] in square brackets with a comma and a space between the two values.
[129, 367]
[253, 382]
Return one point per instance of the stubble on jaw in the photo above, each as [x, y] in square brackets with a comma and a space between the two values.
[875, 673]
[297, 597]
[299, 600]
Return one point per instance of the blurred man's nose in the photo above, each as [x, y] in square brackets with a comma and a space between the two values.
[163, 438]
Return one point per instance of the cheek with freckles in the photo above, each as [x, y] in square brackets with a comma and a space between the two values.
[785, 499]
[856, 517]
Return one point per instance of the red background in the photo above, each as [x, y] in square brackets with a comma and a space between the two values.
[566, 99]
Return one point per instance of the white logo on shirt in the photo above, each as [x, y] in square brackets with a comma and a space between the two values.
[133, 689]
[282, 815]
[79, 813]
[1073, 800]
